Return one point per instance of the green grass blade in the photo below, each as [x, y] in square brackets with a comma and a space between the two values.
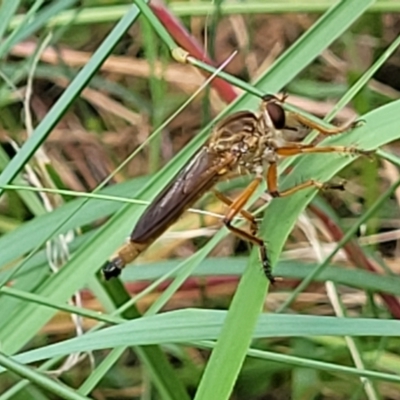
[40, 379]
[192, 325]
[219, 380]
[69, 95]
[229, 266]
[7, 11]
[88, 259]
[158, 367]
[33, 233]
[33, 21]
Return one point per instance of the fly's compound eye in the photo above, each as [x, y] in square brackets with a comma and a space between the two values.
[277, 115]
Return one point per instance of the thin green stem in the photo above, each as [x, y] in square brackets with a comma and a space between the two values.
[229, 78]
[40, 379]
[96, 15]
[34, 298]
[69, 95]
[308, 363]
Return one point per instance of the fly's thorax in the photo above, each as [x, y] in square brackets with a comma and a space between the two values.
[242, 149]
[233, 133]
[241, 143]
[250, 139]
[269, 154]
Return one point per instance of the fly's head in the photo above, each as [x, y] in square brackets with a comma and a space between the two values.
[272, 115]
[279, 124]
[271, 125]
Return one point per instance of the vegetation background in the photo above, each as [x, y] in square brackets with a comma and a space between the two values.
[98, 114]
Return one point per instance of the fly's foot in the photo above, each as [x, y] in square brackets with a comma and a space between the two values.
[356, 124]
[334, 186]
[355, 151]
[366, 153]
[268, 273]
[253, 227]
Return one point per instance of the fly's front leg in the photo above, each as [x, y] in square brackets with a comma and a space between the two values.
[321, 128]
[236, 207]
[272, 180]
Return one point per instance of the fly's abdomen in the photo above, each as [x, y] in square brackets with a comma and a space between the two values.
[113, 268]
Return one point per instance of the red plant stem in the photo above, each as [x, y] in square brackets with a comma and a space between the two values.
[184, 39]
[357, 256]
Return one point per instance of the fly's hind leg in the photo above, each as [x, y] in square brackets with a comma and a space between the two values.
[236, 207]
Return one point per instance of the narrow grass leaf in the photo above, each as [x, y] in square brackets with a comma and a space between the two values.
[218, 380]
[7, 11]
[40, 379]
[191, 325]
[69, 95]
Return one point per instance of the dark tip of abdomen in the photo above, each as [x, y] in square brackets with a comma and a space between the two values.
[112, 269]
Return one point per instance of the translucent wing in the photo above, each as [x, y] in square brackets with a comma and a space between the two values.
[190, 184]
[196, 178]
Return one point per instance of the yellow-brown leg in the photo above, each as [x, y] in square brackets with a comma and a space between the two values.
[294, 149]
[245, 214]
[272, 180]
[320, 128]
[236, 207]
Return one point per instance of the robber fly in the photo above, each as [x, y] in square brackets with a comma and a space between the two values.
[242, 143]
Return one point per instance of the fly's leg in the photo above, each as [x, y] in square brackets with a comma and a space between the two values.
[272, 180]
[294, 149]
[236, 207]
[256, 241]
[245, 214]
[321, 128]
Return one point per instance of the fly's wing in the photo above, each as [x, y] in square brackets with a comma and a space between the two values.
[191, 183]
[195, 179]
